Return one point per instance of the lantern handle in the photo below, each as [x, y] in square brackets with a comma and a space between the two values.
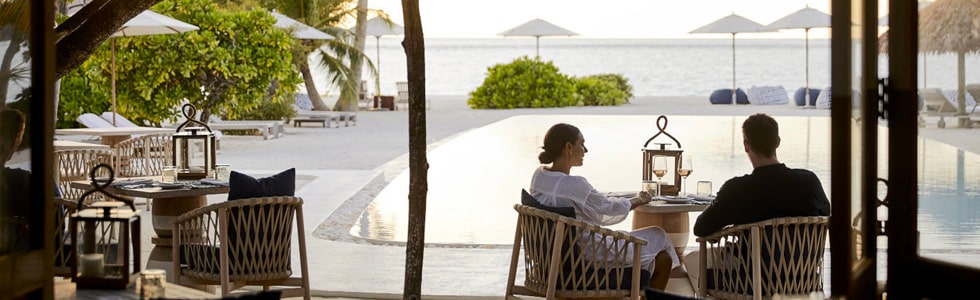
[662, 128]
[96, 187]
[190, 111]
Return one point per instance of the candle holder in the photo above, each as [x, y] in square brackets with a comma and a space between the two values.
[194, 150]
[105, 239]
[662, 151]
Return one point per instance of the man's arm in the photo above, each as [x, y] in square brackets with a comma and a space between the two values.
[717, 215]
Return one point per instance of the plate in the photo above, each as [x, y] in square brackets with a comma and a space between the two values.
[169, 186]
[675, 199]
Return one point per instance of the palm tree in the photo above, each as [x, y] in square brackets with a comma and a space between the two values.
[340, 57]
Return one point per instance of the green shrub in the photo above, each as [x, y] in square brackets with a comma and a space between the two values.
[524, 83]
[621, 82]
[602, 90]
[266, 110]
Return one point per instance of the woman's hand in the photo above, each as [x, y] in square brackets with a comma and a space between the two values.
[641, 198]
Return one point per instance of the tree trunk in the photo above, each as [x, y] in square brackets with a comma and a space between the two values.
[348, 102]
[315, 98]
[418, 165]
[94, 24]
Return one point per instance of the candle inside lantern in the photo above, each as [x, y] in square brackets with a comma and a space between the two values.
[91, 265]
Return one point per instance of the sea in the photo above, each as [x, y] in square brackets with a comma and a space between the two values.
[654, 67]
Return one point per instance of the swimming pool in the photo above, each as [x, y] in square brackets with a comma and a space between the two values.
[475, 178]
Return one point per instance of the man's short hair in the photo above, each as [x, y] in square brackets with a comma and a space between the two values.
[762, 134]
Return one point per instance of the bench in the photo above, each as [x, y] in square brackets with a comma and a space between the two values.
[298, 122]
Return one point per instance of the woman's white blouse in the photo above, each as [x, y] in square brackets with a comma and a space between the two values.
[560, 189]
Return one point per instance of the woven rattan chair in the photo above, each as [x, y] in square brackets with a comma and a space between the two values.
[72, 165]
[240, 243]
[144, 155]
[556, 267]
[754, 261]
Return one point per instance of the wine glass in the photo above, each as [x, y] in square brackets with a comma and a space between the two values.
[687, 166]
[659, 169]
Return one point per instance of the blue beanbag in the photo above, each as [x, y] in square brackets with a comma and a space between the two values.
[724, 96]
[799, 96]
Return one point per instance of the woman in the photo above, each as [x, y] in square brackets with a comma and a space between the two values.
[564, 147]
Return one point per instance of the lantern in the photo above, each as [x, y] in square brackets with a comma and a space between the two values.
[105, 239]
[193, 147]
[663, 161]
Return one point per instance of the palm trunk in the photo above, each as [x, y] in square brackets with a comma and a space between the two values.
[318, 103]
[5, 69]
[961, 88]
[348, 100]
[418, 166]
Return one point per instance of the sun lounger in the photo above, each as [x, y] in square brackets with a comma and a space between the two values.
[124, 122]
[270, 128]
[935, 104]
[91, 120]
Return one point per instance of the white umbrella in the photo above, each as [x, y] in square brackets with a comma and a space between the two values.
[537, 28]
[145, 23]
[377, 27]
[806, 19]
[300, 30]
[730, 24]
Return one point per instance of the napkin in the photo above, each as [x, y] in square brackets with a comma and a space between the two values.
[700, 199]
[210, 181]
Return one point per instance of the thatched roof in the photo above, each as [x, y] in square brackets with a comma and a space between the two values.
[946, 26]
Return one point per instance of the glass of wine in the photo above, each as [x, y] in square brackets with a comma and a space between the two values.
[659, 169]
[685, 169]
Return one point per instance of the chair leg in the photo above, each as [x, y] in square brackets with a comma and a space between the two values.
[515, 254]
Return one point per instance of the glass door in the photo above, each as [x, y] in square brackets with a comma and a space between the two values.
[854, 125]
[934, 193]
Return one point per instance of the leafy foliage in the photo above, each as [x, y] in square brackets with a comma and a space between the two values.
[524, 83]
[227, 66]
[533, 83]
[603, 90]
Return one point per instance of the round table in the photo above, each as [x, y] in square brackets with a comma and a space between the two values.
[673, 218]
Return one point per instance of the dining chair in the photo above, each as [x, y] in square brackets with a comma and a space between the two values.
[144, 155]
[72, 165]
[243, 242]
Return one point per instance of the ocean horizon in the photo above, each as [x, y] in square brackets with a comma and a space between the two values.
[654, 67]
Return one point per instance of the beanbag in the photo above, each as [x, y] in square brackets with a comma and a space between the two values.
[724, 96]
[768, 95]
[823, 101]
[799, 96]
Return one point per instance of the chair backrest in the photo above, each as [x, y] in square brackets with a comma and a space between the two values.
[935, 101]
[595, 270]
[775, 256]
[91, 120]
[258, 238]
[144, 155]
[402, 92]
[120, 120]
[75, 165]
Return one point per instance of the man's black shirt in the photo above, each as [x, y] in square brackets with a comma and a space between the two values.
[771, 191]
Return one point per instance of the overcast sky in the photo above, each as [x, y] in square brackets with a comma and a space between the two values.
[599, 19]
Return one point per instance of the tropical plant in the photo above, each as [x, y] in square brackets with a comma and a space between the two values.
[524, 82]
[228, 66]
[603, 90]
[336, 56]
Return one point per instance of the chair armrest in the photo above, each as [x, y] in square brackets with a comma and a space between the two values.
[738, 229]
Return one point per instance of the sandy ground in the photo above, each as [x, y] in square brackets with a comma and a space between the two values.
[340, 166]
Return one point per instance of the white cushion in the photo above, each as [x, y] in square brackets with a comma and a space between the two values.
[120, 120]
[823, 101]
[303, 102]
[951, 97]
[768, 95]
[91, 120]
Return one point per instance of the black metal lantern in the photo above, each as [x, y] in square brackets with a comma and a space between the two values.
[194, 151]
[667, 161]
[105, 240]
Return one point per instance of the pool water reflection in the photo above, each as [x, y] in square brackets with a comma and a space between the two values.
[475, 178]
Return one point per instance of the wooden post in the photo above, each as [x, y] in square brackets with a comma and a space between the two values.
[418, 166]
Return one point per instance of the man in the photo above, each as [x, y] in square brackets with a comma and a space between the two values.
[771, 191]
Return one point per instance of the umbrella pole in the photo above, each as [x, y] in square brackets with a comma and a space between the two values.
[377, 51]
[734, 95]
[113, 84]
[806, 83]
[537, 46]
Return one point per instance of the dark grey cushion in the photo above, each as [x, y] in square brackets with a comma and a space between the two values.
[529, 200]
[800, 94]
[242, 186]
[724, 96]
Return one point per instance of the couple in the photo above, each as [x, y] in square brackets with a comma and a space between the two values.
[771, 191]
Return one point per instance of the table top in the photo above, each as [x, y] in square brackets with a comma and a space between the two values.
[112, 131]
[664, 207]
[74, 145]
[153, 192]
[65, 289]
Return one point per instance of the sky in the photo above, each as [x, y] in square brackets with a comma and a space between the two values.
[599, 19]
